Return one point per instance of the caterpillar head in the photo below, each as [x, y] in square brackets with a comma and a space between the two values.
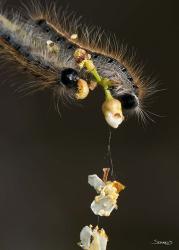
[125, 89]
[124, 86]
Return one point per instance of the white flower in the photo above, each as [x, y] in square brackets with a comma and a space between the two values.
[93, 239]
[106, 201]
[112, 111]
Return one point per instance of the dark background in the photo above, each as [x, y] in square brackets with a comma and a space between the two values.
[45, 160]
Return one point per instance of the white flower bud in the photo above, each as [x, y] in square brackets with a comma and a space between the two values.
[112, 111]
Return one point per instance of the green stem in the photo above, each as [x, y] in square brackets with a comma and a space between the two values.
[108, 94]
[96, 75]
[104, 82]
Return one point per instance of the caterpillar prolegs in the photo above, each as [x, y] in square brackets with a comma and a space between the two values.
[70, 62]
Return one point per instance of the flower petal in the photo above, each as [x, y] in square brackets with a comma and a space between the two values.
[112, 111]
[100, 240]
[114, 120]
[96, 182]
[85, 237]
[103, 206]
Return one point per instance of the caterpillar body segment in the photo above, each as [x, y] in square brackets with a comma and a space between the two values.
[28, 49]
[107, 66]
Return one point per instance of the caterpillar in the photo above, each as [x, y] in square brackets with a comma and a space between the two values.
[70, 61]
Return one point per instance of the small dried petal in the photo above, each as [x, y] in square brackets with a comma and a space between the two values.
[74, 36]
[83, 89]
[112, 111]
[92, 85]
[119, 186]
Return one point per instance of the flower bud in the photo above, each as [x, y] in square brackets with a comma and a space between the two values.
[80, 55]
[83, 89]
[112, 111]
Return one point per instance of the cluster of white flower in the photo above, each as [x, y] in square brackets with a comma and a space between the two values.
[104, 203]
[108, 192]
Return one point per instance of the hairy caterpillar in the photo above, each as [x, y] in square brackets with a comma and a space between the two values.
[69, 61]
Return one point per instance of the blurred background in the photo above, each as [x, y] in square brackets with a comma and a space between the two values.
[45, 160]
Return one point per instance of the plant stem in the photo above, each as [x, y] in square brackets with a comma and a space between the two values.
[104, 82]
